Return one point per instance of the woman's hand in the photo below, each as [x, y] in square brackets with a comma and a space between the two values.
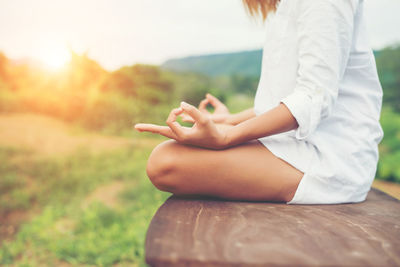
[220, 114]
[203, 133]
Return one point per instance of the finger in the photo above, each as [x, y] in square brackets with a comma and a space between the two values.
[186, 118]
[196, 114]
[173, 124]
[157, 129]
[213, 100]
[203, 104]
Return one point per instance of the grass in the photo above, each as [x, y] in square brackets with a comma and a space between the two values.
[61, 230]
[55, 227]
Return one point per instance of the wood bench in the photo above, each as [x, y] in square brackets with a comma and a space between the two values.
[210, 232]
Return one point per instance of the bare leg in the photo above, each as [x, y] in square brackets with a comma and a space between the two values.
[246, 172]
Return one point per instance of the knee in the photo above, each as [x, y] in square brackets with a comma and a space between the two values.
[162, 165]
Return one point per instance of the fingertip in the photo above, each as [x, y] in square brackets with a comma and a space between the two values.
[178, 111]
[184, 105]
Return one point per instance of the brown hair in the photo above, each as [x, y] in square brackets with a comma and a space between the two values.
[260, 7]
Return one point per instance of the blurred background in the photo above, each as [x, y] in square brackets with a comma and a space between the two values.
[74, 78]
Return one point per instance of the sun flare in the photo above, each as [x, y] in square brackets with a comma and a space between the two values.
[55, 56]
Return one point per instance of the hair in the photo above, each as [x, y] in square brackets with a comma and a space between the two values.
[260, 7]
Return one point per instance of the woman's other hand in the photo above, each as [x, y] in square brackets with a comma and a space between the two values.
[203, 133]
[220, 114]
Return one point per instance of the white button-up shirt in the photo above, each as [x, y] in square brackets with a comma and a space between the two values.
[317, 61]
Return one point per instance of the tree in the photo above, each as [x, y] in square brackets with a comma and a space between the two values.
[388, 64]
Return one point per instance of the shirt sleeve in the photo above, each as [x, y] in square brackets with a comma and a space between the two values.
[324, 35]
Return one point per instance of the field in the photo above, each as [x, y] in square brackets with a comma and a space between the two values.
[73, 186]
[71, 197]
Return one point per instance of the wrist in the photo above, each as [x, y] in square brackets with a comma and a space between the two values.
[227, 138]
[230, 119]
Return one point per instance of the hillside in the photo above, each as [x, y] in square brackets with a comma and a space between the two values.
[247, 63]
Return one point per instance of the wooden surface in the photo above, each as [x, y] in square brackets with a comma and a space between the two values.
[206, 232]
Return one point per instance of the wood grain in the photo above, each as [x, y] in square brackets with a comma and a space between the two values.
[210, 232]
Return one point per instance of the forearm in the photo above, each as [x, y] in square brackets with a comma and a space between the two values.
[237, 118]
[277, 120]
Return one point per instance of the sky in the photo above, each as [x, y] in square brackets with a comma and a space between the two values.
[125, 32]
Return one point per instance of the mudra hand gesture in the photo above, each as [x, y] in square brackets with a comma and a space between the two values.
[220, 114]
[203, 133]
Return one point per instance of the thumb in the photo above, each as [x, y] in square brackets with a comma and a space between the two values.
[196, 114]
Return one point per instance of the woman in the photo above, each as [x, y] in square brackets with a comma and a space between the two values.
[313, 133]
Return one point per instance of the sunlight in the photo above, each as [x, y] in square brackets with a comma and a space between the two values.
[54, 56]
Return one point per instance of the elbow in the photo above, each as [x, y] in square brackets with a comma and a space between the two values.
[309, 107]
[328, 103]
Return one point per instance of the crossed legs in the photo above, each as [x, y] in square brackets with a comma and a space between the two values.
[245, 172]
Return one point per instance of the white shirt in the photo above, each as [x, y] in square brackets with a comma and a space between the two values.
[317, 61]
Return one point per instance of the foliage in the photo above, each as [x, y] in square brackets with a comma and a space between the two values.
[388, 64]
[242, 84]
[64, 230]
[87, 94]
[84, 93]
[389, 168]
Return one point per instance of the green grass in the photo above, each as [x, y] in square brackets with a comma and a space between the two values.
[63, 231]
